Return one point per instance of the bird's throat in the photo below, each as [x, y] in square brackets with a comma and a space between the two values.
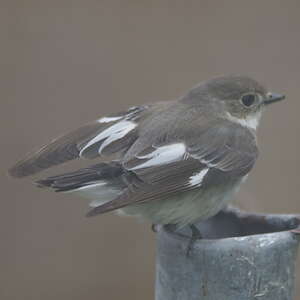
[250, 121]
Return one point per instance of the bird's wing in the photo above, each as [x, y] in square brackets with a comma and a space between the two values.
[219, 154]
[107, 135]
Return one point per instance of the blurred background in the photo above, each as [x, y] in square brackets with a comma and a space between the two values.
[64, 63]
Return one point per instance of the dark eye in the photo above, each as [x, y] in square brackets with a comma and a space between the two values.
[248, 99]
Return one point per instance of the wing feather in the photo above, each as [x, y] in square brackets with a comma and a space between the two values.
[105, 136]
[222, 153]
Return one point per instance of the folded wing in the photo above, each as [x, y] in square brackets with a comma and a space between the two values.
[220, 153]
[108, 135]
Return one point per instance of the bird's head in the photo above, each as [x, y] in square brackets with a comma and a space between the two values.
[238, 98]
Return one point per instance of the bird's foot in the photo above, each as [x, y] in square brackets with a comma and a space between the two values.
[196, 235]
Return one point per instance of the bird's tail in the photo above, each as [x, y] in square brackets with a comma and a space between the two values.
[100, 183]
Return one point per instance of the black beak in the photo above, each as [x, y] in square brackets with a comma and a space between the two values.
[273, 97]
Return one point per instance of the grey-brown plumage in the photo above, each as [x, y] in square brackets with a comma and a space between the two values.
[175, 161]
[67, 147]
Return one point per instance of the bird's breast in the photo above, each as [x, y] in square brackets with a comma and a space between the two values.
[186, 207]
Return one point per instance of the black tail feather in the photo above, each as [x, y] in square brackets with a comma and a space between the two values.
[108, 172]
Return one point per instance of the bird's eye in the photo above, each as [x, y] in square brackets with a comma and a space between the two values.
[248, 99]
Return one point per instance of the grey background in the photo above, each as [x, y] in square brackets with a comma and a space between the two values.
[64, 63]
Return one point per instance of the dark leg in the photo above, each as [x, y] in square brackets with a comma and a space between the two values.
[154, 228]
[196, 235]
[171, 227]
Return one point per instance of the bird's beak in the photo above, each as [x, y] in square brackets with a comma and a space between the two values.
[273, 97]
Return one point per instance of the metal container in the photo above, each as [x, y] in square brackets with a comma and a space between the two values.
[241, 256]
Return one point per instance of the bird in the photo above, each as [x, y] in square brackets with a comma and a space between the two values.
[168, 162]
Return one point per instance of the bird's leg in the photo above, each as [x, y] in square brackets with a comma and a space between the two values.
[196, 235]
[171, 227]
[154, 228]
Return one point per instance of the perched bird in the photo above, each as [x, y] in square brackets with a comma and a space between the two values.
[175, 162]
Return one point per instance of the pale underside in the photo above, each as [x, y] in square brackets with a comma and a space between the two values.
[182, 209]
[161, 176]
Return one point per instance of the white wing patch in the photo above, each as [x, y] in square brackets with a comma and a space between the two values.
[162, 155]
[110, 134]
[87, 187]
[131, 113]
[116, 132]
[102, 196]
[98, 193]
[196, 180]
[110, 119]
